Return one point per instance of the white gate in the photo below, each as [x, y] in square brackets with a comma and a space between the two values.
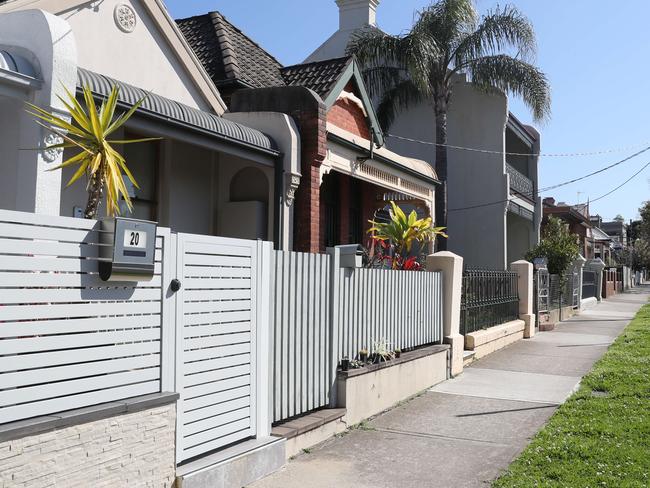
[217, 310]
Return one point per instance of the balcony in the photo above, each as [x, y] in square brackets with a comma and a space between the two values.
[520, 184]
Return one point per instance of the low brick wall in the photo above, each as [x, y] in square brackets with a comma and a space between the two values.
[484, 342]
[133, 449]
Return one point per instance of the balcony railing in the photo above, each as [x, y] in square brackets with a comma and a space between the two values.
[520, 183]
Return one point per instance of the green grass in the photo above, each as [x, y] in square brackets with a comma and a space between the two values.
[601, 435]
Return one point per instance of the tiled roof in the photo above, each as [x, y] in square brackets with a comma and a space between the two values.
[228, 54]
[320, 76]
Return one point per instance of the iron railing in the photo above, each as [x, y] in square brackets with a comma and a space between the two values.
[489, 298]
[520, 183]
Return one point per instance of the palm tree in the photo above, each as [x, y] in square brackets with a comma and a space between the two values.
[447, 39]
[88, 132]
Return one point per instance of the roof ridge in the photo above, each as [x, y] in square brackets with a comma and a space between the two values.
[229, 55]
[225, 19]
[311, 63]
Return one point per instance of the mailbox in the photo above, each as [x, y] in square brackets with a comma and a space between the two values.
[128, 250]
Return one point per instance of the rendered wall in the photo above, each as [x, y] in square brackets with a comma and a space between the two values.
[141, 58]
[135, 449]
[475, 120]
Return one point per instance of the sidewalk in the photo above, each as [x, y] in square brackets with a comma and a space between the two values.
[465, 431]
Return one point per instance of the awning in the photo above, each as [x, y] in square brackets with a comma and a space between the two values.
[179, 113]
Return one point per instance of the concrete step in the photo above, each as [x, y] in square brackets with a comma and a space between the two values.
[235, 466]
[303, 432]
[468, 357]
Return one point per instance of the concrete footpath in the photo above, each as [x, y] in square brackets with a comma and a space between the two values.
[465, 431]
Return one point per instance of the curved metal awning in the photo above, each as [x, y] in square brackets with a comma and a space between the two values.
[177, 112]
[17, 74]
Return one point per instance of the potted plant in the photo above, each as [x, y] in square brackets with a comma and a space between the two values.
[398, 353]
[345, 363]
[382, 351]
[363, 355]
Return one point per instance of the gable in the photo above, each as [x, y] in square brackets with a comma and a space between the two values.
[348, 112]
[138, 44]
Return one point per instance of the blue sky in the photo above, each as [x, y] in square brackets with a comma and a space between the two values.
[596, 54]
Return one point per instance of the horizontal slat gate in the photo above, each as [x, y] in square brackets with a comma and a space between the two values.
[216, 314]
[68, 339]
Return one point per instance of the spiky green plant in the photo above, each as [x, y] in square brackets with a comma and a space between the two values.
[449, 38]
[88, 131]
[402, 232]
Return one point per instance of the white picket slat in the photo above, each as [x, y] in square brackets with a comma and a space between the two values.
[57, 311]
[223, 407]
[51, 296]
[59, 373]
[217, 442]
[44, 407]
[69, 326]
[34, 393]
[241, 421]
[62, 280]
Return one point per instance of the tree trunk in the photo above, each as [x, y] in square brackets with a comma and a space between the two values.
[441, 170]
[95, 191]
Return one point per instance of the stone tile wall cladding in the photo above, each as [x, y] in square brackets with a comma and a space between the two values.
[135, 449]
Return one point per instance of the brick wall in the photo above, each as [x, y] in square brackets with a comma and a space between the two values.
[135, 449]
[349, 116]
[308, 112]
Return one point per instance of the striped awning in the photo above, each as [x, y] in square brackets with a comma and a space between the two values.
[177, 112]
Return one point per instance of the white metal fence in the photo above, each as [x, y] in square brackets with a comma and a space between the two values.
[402, 308]
[67, 339]
[301, 333]
[322, 312]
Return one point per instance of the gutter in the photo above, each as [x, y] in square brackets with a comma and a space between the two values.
[344, 142]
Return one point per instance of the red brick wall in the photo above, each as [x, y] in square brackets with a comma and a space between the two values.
[349, 116]
[307, 203]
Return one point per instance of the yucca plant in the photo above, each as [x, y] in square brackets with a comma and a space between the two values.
[88, 131]
[400, 233]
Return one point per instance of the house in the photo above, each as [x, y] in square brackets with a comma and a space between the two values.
[494, 212]
[347, 174]
[577, 217]
[602, 245]
[208, 174]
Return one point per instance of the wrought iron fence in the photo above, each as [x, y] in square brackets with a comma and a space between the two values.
[520, 183]
[489, 298]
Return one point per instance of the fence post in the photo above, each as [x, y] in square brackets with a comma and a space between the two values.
[598, 266]
[335, 264]
[451, 266]
[579, 264]
[524, 270]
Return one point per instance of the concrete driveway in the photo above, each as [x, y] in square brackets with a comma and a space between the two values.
[465, 431]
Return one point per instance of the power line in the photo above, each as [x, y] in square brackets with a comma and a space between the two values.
[585, 203]
[595, 172]
[489, 151]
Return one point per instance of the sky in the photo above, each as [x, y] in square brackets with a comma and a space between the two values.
[595, 53]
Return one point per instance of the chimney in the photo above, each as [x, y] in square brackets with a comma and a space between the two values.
[549, 202]
[355, 14]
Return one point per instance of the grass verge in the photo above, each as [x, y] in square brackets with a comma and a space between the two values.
[601, 435]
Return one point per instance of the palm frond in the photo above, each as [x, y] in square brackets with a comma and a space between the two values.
[403, 95]
[446, 21]
[516, 77]
[498, 30]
